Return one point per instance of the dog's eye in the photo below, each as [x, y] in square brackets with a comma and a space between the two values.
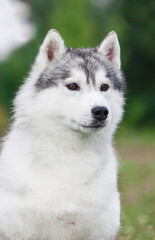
[104, 87]
[73, 86]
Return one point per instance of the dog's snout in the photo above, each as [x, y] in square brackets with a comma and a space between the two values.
[100, 113]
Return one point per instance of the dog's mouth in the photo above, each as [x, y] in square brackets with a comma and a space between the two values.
[96, 126]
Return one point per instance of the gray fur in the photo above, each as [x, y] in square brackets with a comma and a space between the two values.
[86, 59]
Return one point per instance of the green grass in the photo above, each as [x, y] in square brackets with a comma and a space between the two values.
[137, 187]
[135, 136]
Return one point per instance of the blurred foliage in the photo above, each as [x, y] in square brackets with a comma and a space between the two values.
[85, 23]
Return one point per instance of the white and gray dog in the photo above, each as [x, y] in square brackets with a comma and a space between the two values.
[58, 169]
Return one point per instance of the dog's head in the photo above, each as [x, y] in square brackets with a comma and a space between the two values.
[81, 89]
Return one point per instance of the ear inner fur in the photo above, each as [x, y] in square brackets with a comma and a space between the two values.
[110, 53]
[51, 49]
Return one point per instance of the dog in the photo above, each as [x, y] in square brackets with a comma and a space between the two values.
[58, 168]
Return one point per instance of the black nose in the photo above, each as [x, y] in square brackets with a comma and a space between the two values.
[100, 113]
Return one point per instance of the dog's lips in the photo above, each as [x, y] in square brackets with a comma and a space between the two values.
[94, 126]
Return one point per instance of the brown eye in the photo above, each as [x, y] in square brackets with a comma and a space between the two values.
[104, 87]
[73, 87]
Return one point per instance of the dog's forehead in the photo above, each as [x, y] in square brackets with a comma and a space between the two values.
[85, 77]
[85, 65]
[78, 75]
[86, 59]
[101, 76]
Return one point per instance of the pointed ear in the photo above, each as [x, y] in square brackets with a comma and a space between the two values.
[52, 49]
[110, 48]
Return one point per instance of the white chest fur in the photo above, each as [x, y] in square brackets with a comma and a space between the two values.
[66, 194]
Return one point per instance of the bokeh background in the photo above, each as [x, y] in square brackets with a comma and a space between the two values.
[83, 23]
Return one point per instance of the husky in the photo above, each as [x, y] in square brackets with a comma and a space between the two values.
[58, 168]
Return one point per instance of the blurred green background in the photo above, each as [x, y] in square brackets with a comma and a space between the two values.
[84, 23]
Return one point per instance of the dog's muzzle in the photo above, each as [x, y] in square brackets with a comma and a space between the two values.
[99, 115]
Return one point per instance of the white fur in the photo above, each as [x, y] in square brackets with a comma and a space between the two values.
[57, 180]
[111, 43]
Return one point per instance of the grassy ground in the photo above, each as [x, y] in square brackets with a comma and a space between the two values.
[137, 186]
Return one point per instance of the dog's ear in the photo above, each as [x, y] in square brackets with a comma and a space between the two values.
[51, 49]
[110, 48]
